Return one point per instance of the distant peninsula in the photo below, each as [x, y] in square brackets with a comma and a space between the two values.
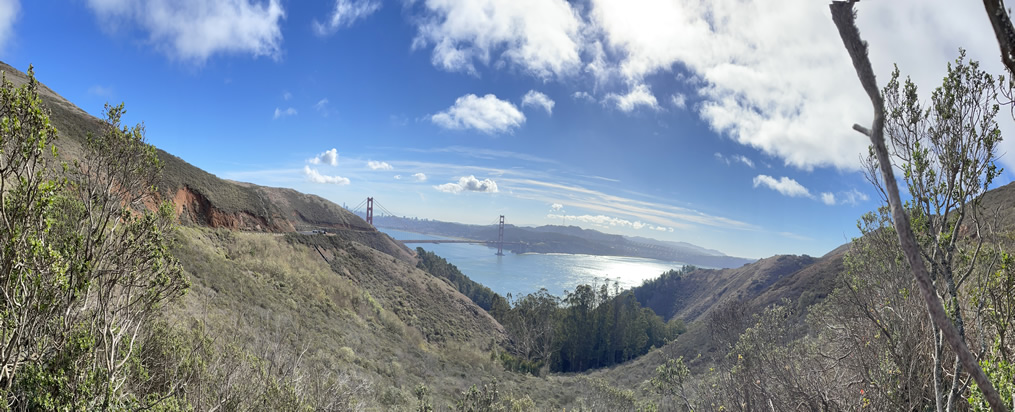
[569, 239]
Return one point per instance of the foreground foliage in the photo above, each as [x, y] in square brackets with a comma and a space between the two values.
[871, 344]
[84, 265]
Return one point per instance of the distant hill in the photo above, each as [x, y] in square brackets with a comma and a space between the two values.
[569, 239]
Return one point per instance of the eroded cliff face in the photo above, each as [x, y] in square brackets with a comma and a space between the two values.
[193, 207]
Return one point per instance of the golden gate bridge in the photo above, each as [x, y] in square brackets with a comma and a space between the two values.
[369, 217]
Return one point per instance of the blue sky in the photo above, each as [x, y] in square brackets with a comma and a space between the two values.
[724, 124]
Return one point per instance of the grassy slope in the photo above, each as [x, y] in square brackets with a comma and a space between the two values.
[691, 296]
[367, 315]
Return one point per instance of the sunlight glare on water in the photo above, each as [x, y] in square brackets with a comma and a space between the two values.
[527, 273]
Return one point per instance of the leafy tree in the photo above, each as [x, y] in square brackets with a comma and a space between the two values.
[481, 295]
[671, 380]
[532, 324]
[946, 153]
[84, 263]
[961, 134]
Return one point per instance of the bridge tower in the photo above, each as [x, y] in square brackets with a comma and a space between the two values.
[500, 237]
[370, 211]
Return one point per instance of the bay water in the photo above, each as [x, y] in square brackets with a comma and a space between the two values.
[520, 274]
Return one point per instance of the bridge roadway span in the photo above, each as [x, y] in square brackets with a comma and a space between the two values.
[489, 242]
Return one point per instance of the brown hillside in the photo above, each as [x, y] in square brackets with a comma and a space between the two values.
[692, 295]
[808, 285]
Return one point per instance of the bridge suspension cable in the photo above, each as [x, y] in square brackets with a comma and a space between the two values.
[367, 208]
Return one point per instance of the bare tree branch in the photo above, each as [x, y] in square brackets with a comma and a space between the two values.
[844, 18]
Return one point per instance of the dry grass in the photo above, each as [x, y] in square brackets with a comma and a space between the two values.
[366, 316]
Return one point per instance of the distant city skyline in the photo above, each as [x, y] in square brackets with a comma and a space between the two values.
[724, 124]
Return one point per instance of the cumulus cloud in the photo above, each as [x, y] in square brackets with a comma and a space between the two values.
[314, 176]
[764, 67]
[640, 95]
[195, 30]
[784, 185]
[580, 95]
[610, 221]
[487, 114]
[345, 13]
[279, 112]
[419, 177]
[766, 71]
[9, 11]
[827, 198]
[537, 99]
[541, 37]
[375, 165]
[329, 157]
[469, 184]
[768, 75]
[556, 207]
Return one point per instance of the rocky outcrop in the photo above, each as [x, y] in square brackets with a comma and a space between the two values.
[193, 207]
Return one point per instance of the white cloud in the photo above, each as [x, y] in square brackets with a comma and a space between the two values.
[784, 185]
[279, 112]
[345, 13]
[9, 11]
[195, 30]
[679, 100]
[639, 95]
[541, 37]
[314, 176]
[329, 157]
[321, 104]
[580, 95]
[743, 159]
[419, 177]
[609, 221]
[556, 207]
[375, 165]
[775, 76]
[766, 70]
[827, 198]
[537, 99]
[769, 75]
[487, 114]
[398, 177]
[658, 213]
[721, 158]
[286, 95]
[469, 184]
